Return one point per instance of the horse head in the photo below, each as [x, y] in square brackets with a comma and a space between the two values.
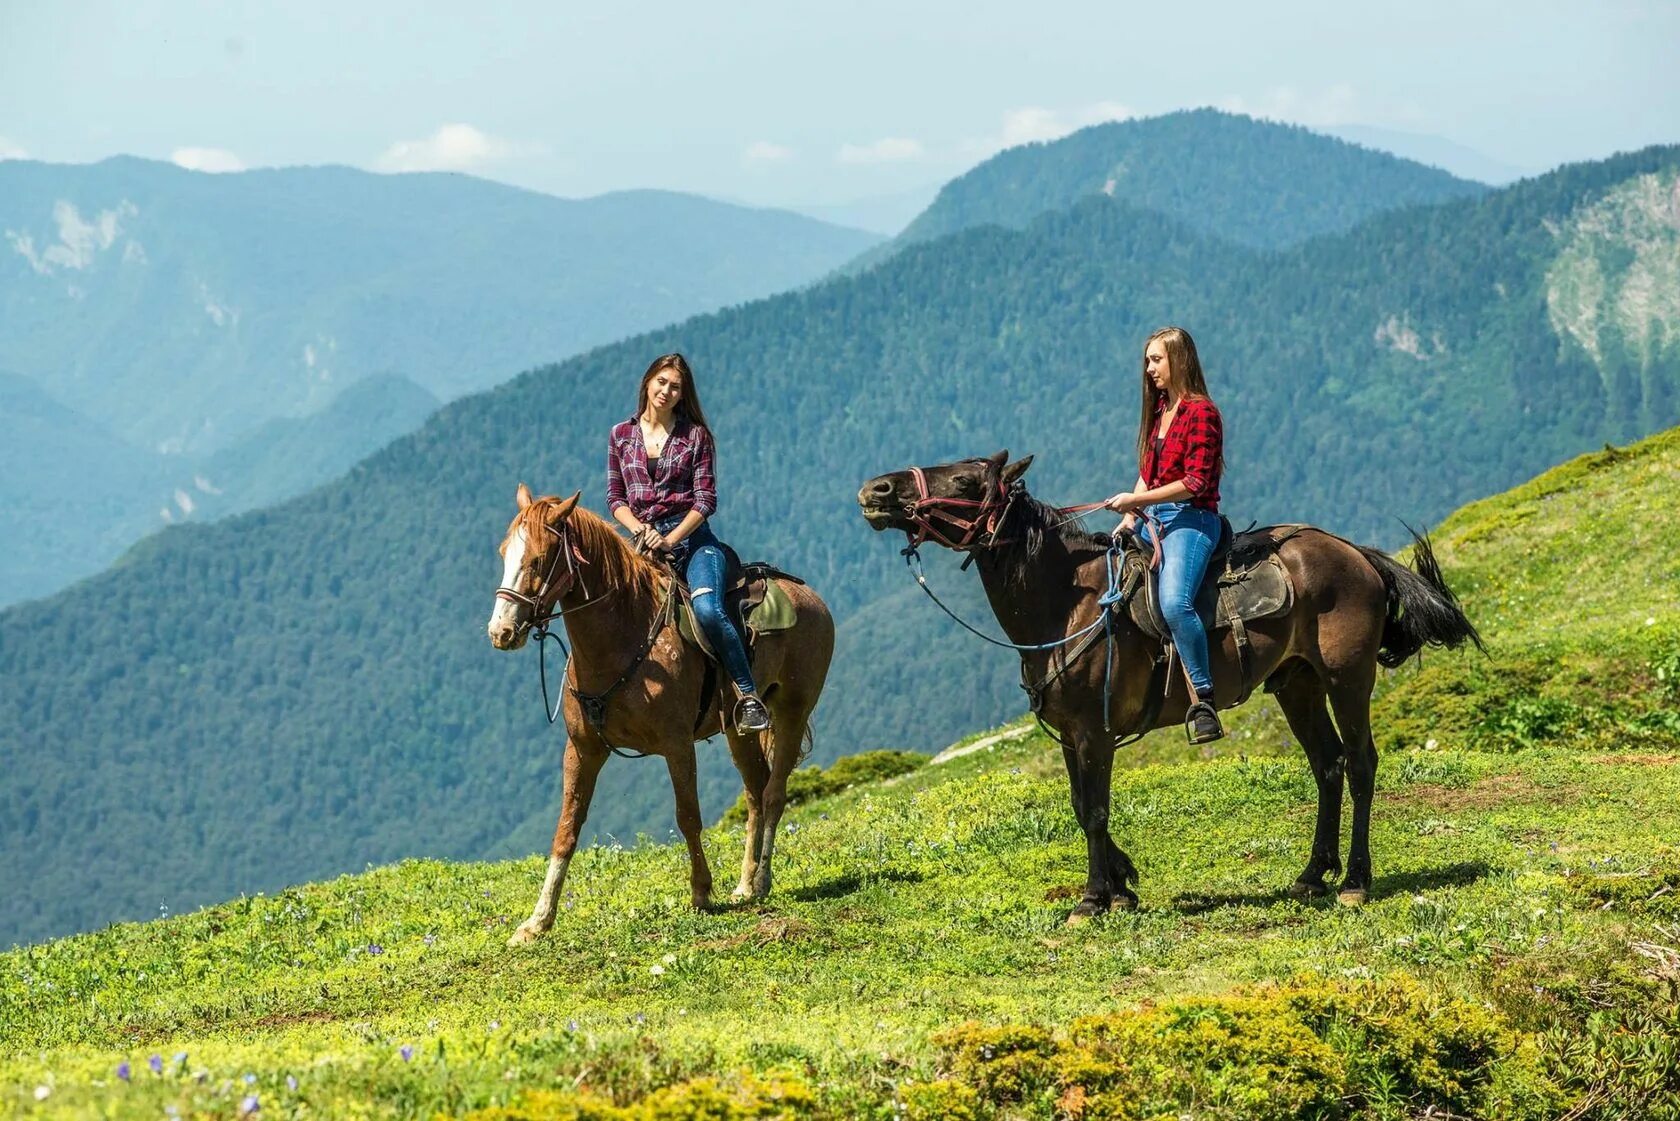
[955, 504]
[538, 567]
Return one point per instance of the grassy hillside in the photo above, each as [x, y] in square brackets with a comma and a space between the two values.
[332, 650]
[1520, 957]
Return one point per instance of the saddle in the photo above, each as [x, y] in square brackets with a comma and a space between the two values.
[1245, 581]
[754, 601]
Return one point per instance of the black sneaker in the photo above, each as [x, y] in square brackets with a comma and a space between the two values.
[751, 715]
[1201, 723]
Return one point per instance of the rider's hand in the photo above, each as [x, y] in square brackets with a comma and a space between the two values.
[1128, 523]
[650, 540]
[1122, 503]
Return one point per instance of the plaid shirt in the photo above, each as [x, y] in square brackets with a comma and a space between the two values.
[1193, 451]
[684, 480]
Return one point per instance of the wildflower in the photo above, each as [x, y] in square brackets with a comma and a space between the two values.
[375, 949]
[291, 1083]
[156, 1063]
[122, 1070]
[793, 827]
[42, 1093]
[180, 1059]
[657, 970]
[429, 939]
[249, 1105]
[407, 1053]
[640, 1018]
[495, 1025]
[669, 959]
[571, 1025]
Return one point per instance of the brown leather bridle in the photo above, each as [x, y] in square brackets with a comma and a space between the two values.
[541, 603]
[964, 534]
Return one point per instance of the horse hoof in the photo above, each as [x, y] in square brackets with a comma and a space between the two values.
[525, 935]
[1085, 912]
[1308, 889]
[1352, 897]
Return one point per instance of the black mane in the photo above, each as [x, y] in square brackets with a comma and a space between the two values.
[1023, 533]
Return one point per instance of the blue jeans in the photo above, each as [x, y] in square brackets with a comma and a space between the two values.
[702, 562]
[1188, 537]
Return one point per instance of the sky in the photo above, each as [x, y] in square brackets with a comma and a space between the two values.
[802, 104]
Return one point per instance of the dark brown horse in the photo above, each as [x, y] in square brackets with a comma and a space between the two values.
[648, 686]
[1355, 608]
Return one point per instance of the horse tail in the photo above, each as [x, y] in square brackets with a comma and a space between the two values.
[1422, 610]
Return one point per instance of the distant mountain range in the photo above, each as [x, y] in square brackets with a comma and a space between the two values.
[307, 688]
[179, 313]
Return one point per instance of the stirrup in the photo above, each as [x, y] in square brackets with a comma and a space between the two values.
[746, 720]
[1201, 724]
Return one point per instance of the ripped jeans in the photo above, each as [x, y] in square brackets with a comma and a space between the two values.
[702, 561]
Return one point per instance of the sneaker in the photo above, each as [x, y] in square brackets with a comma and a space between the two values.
[751, 715]
[1201, 723]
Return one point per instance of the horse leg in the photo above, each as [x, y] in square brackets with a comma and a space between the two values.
[1090, 766]
[1303, 703]
[679, 760]
[1351, 698]
[755, 775]
[789, 717]
[580, 772]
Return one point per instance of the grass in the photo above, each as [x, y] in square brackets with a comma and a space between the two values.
[1518, 957]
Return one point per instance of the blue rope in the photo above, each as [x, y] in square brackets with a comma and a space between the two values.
[914, 559]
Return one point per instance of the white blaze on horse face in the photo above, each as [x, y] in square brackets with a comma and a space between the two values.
[502, 617]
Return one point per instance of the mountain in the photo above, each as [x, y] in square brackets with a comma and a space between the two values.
[1515, 959]
[1433, 151]
[308, 687]
[181, 312]
[1254, 183]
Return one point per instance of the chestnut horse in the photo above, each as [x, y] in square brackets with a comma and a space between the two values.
[1355, 608]
[649, 689]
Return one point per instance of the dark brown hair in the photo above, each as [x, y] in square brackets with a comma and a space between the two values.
[688, 405]
[1184, 371]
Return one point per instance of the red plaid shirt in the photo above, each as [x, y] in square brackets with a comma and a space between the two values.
[684, 480]
[1192, 451]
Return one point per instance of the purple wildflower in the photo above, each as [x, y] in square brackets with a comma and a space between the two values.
[376, 949]
[156, 1063]
[250, 1080]
[249, 1105]
[407, 1053]
[291, 1083]
[571, 1025]
[123, 1071]
[429, 939]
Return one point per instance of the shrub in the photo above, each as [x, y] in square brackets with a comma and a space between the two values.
[810, 783]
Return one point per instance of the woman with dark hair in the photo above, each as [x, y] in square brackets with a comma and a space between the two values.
[661, 486]
[1180, 447]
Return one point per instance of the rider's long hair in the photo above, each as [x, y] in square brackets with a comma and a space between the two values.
[1184, 374]
[688, 405]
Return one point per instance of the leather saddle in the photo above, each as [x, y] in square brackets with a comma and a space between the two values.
[756, 604]
[1245, 581]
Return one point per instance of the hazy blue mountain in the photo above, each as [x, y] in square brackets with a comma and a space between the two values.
[182, 312]
[1433, 151]
[308, 687]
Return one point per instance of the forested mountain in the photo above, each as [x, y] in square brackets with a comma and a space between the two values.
[180, 312]
[309, 688]
[1255, 183]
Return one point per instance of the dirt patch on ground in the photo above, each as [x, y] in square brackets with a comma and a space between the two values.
[1631, 760]
[287, 1019]
[1484, 793]
[770, 928]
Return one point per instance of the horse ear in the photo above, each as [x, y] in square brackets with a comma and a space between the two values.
[564, 510]
[1015, 470]
[998, 459]
[522, 496]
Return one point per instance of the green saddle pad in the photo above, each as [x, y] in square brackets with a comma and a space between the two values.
[775, 612]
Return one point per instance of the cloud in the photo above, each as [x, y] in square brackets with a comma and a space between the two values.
[890, 149]
[10, 151]
[453, 147]
[1333, 105]
[765, 151]
[1034, 124]
[213, 160]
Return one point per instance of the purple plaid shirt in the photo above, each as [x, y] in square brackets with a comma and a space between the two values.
[684, 480]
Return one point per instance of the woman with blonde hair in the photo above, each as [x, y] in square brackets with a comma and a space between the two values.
[662, 487]
[1180, 449]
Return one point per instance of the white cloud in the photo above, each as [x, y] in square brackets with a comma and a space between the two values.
[212, 160]
[1033, 124]
[453, 147]
[765, 151]
[1333, 105]
[10, 151]
[890, 149]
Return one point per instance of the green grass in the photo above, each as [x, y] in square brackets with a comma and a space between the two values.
[1511, 962]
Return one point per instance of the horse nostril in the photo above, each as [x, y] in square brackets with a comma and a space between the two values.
[881, 488]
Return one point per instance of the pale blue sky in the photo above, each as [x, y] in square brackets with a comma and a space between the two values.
[792, 104]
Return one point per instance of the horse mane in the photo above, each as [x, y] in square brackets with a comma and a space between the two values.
[616, 567]
[1030, 523]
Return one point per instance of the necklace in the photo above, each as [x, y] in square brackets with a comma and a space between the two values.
[655, 445]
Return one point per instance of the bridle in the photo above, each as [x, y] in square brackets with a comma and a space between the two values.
[550, 591]
[964, 534]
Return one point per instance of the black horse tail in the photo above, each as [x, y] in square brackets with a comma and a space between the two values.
[1422, 610]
